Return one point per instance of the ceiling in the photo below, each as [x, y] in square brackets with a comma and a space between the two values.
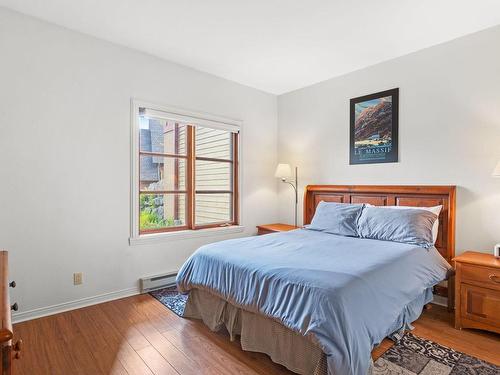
[273, 45]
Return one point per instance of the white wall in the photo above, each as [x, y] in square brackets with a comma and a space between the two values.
[449, 126]
[65, 158]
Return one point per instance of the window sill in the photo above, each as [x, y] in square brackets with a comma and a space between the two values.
[184, 234]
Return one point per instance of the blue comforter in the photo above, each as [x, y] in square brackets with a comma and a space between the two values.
[347, 294]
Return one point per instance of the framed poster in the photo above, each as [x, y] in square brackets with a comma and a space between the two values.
[374, 128]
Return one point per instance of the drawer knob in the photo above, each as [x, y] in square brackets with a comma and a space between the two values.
[494, 278]
[17, 349]
[12, 284]
[14, 307]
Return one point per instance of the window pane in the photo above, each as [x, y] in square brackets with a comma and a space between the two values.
[161, 173]
[212, 175]
[159, 211]
[213, 143]
[161, 136]
[213, 208]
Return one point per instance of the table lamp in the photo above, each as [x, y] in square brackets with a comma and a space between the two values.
[496, 173]
[284, 172]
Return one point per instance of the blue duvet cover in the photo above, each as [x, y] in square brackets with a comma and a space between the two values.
[346, 294]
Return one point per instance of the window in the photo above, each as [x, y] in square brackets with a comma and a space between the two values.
[186, 172]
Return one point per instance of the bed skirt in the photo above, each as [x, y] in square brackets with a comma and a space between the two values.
[258, 333]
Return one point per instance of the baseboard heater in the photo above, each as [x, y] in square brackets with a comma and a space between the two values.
[157, 282]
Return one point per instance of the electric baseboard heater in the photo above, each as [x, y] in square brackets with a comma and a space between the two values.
[157, 282]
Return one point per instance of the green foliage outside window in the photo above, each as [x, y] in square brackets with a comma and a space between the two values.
[151, 216]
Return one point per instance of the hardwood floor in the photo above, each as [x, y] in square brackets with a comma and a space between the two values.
[138, 335]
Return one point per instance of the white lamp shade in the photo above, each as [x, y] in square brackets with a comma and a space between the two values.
[283, 171]
[496, 171]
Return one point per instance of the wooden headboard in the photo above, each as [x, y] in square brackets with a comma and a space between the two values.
[392, 195]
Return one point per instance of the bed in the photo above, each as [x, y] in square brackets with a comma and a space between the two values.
[316, 302]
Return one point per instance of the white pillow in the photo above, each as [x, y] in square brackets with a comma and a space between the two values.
[435, 210]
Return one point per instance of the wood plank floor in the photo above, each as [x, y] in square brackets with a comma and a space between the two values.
[138, 335]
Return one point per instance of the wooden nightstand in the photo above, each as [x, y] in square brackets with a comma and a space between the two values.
[273, 228]
[477, 291]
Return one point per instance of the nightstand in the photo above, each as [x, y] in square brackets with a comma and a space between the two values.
[477, 291]
[273, 228]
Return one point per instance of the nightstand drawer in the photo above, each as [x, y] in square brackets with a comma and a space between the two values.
[481, 305]
[477, 291]
[482, 276]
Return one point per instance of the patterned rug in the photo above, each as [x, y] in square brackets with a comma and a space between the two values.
[171, 298]
[413, 355]
[409, 356]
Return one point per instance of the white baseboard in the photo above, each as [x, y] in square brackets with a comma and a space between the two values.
[439, 300]
[72, 305]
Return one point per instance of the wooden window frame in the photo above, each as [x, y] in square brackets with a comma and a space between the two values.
[190, 191]
[234, 185]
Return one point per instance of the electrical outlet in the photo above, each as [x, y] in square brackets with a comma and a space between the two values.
[77, 278]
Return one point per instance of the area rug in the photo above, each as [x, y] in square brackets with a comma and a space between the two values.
[171, 298]
[411, 355]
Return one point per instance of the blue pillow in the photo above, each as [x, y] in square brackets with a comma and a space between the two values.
[336, 218]
[411, 226]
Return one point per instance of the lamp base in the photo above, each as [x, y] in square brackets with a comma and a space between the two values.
[496, 250]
